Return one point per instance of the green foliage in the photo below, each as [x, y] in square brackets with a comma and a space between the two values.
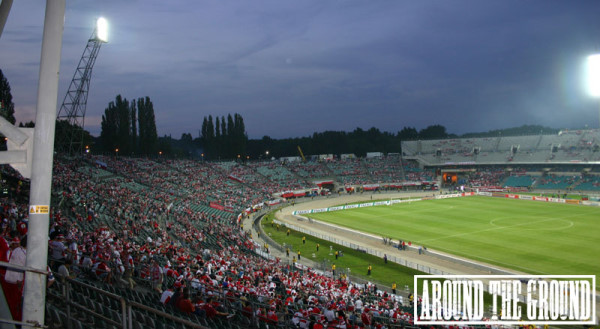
[7, 108]
[358, 142]
[433, 132]
[64, 129]
[147, 126]
[120, 129]
[225, 139]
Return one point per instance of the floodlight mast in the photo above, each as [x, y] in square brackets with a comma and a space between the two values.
[594, 77]
[74, 104]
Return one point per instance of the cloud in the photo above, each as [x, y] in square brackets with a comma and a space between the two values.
[291, 68]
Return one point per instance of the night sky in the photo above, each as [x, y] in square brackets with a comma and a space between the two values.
[291, 68]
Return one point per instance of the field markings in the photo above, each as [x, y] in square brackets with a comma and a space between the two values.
[491, 229]
[436, 212]
[564, 227]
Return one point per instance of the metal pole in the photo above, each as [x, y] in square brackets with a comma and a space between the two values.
[41, 173]
[4, 10]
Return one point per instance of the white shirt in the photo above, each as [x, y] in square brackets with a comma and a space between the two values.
[329, 314]
[63, 271]
[17, 257]
[57, 249]
[358, 304]
[165, 295]
[74, 252]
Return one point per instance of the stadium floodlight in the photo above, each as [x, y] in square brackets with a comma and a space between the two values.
[102, 29]
[594, 75]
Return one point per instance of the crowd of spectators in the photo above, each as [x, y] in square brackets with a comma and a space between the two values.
[350, 171]
[134, 223]
[104, 230]
[414, 173]
[385, 169]
[489, 177]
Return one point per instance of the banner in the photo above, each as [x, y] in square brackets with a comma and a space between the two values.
[591, 203]
[447, 196]
[370, 187]
[301, 212]
[232, 177]
[216, 206]
[381, 203]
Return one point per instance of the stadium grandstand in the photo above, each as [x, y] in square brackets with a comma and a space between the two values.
[160, 243]
[567, 161]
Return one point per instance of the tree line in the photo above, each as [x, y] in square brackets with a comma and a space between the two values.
[129, 127]
[357, 142]
[223, 139]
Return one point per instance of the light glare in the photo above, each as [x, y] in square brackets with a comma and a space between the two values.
[102, 29]
[594, 75]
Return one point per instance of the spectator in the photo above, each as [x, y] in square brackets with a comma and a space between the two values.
[64, 271]
[184, 304]
[14, 279]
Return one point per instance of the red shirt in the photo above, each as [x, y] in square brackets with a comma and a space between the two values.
[185, 305]
[4, 248]
[210, 311]
[366, 319]
[22, 228]
[272, 316]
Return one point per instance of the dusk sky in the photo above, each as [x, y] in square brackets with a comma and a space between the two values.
[291, 68]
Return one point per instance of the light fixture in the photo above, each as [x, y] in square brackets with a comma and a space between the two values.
[593, 70]
[102, 29]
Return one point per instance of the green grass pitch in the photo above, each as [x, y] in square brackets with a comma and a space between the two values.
[528, 236]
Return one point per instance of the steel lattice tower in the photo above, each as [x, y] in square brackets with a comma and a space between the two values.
[74, 104]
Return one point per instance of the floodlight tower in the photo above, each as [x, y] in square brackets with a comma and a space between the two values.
[72, 110]
[594, 75]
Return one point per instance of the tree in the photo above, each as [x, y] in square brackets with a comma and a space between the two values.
[433, 132]
[7, 108]
[204, 131]
[134, 141]
[222, 153]
[209, 140]
[186, 137]
[113, 135]
[229, 140]
[241, 138]
[124, 126]
[147, 126]
[63, 129]
[226, 139]
[408, 133]
[119, 129]
[215, 147]
[29, 124]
